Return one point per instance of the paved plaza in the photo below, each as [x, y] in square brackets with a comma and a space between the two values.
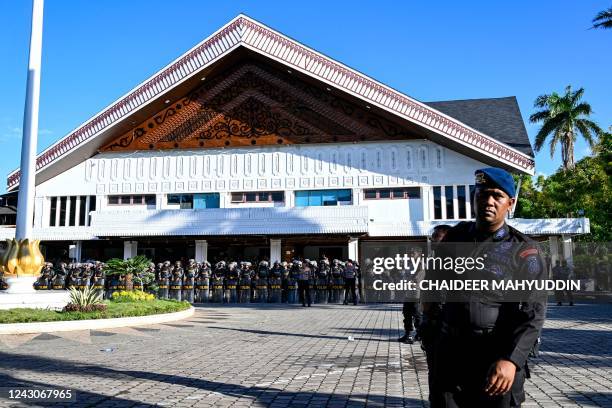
[337, 356]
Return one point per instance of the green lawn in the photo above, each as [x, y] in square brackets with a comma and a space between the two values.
[115, 309]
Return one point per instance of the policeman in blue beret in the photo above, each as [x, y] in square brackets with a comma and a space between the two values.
[484, 337]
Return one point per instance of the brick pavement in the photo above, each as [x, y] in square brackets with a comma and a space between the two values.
[287, 355]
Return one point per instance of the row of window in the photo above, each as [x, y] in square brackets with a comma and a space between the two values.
[212, 200]
[323, 197]
[392, 193]
[74, 210]
[71, 210]
[131, 200]
[444, 206]
[259, 197]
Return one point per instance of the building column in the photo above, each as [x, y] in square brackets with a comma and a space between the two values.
[77, 211]
[353, 249]
[357, 196]
[75, 250]
[567, 249]
[425, 193]
[553, 242]
[159, 201]
[275, 250]
[130, 249]
[201, 250]
[58, 203]
[87, 204]
[67, 220]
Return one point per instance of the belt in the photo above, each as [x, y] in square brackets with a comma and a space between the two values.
[175, 287]
[261, 286]
[58, 287]
[231, 286]
[163, 286]
[275, 286]
[466, 332]
[187, 287]
[202, 286]
[245, 287]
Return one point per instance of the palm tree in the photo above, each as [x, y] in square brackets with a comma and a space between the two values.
[563, 117]
[603, 19]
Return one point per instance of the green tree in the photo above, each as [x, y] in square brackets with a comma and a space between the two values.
[585, 191]
[136, 266]
[603, 19]
[563, 117]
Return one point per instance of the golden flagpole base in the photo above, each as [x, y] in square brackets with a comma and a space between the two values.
[22, 258]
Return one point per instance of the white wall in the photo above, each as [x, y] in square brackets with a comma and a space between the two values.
[265, 168]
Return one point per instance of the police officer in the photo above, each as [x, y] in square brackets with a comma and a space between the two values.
[350, 278]
[562, 271]
[411, 309]
[304, 277]
[480, 354]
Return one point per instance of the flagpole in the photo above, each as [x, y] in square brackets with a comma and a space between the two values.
[25, 199]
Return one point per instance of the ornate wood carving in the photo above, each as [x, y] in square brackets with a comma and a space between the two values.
[256, 105]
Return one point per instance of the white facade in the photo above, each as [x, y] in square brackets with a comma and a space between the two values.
[287, 168]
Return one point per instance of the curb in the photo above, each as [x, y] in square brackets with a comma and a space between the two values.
[93, 324]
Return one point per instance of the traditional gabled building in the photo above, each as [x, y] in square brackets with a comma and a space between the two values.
[252, 144]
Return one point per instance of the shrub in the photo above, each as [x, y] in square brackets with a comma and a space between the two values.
[85, 300]
[71, 307]
[132, 296]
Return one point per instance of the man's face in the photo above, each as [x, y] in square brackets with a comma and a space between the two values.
[491, 204]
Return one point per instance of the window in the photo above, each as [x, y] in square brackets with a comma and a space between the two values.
[258, 197]
[92, 207]
[206, 200]
[461, 202]
[370, 194]
[392, 193]
[308, 198]
[471, 198]
[53, 211]
[131, 200]
[82, 210]
[72, 216]
[62, 220]
[448, 204]
[184, 201]
[437, 195]
[448, 193]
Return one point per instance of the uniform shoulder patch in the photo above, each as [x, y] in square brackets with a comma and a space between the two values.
[528, 252]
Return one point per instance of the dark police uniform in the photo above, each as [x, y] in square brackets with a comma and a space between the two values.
[479, 328]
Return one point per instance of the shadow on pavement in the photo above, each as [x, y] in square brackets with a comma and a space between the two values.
[261, 395]
[591, 399]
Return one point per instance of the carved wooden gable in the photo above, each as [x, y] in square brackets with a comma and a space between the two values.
[256, 105]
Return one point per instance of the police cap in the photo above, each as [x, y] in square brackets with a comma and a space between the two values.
[497, 178]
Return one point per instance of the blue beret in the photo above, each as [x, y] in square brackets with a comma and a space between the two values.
[495, 177]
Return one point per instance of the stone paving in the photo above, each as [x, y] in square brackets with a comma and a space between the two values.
[336, 356]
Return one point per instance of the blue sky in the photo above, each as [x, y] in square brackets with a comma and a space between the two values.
[95, 51]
